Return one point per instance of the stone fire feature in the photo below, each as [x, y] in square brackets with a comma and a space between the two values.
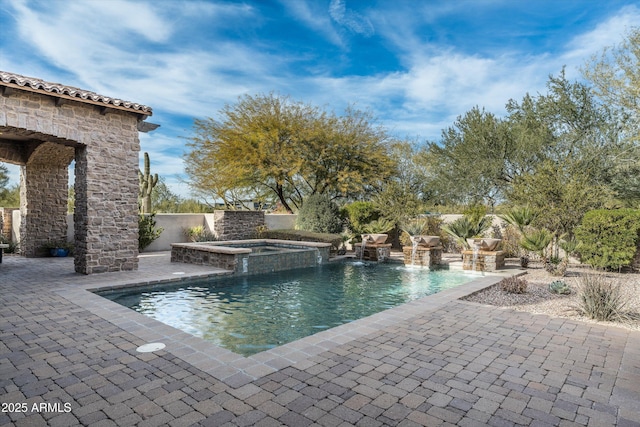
[484, 260]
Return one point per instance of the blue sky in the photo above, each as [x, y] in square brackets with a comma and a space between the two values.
[416, 64]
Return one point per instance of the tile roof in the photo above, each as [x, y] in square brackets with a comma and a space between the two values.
[68, 92]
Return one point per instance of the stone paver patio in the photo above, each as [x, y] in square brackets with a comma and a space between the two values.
[436, 361]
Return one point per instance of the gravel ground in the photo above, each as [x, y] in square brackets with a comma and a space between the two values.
[539, 300]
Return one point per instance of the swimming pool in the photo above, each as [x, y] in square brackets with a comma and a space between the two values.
[251, 314]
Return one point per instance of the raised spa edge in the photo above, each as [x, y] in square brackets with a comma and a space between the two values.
[241, 257]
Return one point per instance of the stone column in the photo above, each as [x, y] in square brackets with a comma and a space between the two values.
[44, 183]
[106, 212]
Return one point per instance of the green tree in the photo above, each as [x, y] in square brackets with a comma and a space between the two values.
[609, 238]
[570, 174]
[272, 144]
[615, 75]
[166, 201]
[9, 195]
[358, 214]
[477, 159]
[320, 215]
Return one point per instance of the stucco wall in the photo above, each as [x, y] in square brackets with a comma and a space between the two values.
[174, 225]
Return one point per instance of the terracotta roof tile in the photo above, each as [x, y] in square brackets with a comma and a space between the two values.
[80, 95]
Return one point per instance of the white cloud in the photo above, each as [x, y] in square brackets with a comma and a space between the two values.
[310, 14]
[433, 85]
[349, 19]
[605, 34]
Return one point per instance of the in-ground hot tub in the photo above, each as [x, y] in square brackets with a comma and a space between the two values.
[252, 256]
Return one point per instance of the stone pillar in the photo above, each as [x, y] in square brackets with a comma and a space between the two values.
[482, 260]
[380, 252]
[106, 211]
[44, 183]
[422, 256]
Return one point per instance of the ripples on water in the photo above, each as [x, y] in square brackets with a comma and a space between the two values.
[251, 314]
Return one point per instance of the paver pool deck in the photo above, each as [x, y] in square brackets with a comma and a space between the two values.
[435, 361]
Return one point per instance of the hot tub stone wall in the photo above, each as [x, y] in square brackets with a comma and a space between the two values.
[198, 257]
[293, 256]
[237, 225]
[270, 262]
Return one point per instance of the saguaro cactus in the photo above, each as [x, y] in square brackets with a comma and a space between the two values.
[147, 182]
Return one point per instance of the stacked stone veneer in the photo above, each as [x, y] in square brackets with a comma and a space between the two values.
[105, 145]
[237, 225]
[380, 252]
[238, 256]
[6, 222]
[422, 256]
[43, 195]
[484, 260]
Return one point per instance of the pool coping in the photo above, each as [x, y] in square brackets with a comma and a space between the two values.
[237, 370]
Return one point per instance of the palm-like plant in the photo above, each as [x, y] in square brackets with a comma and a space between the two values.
[379, 226]
[465, 228]
[519, 217]
[537, 241]
[415, 227]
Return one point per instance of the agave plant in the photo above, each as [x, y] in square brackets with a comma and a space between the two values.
[559, 287]
[519, 217]
[464, 228]
[415, 227]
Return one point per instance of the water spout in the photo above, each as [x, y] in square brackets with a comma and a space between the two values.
[476, 249]
[364, 243]
[414, 249]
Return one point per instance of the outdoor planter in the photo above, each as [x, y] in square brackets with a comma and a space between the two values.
[59, 252]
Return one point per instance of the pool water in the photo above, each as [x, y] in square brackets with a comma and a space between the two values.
[251, 314]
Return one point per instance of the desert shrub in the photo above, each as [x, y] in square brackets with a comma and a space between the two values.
[513, 285]
[147, 231]
[475, 213]
[199, 234]
[600, 299]
[320, 215]
[358, 214]
[609, 238]
[557, 266]
[304, 236]
[261, 231]
[511, 241]
[13, 246]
